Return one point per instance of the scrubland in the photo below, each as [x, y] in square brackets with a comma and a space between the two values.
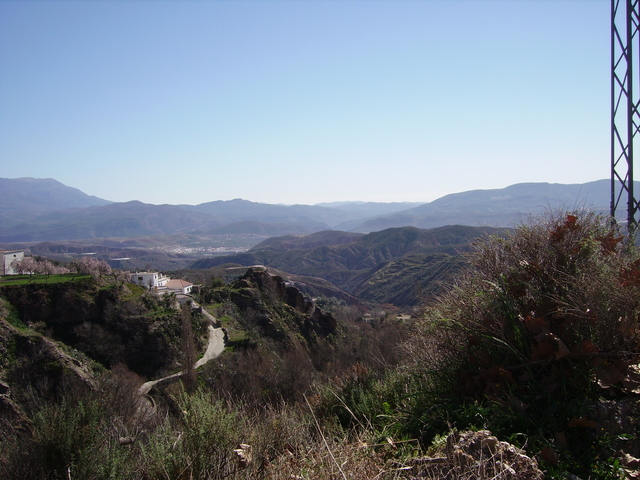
[526, 367]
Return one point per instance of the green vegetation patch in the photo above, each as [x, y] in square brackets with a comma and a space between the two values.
[41, 279]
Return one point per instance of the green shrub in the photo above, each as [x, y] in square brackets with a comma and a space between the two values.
[365, 400]
[199, 445]
[70, 439]
[521, 342]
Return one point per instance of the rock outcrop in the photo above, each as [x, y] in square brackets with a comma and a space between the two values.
[279, 310]
[475, 455]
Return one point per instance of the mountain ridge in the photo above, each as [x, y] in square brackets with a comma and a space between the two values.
[503, 207]
[63, 213]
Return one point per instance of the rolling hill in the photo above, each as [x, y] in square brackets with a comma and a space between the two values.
[398, 265]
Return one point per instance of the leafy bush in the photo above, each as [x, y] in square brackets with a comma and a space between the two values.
[361, 399]
[70, 439]
[522, 341]
[199, 445]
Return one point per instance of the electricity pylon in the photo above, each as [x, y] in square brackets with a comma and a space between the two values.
[625, 116]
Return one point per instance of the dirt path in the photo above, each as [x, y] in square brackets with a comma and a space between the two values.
[215, 347]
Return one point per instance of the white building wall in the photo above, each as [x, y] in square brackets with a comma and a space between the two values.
[149, 279]
[8, 257]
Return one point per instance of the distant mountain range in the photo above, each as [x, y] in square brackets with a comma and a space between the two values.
[46, 210]
[36, 195]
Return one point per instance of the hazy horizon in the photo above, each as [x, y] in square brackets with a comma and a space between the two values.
[331, 203]
[309, 102]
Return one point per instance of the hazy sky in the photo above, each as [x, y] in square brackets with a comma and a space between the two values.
[303, 101]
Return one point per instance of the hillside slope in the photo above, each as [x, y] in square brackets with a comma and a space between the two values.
[307, 215]
[397, 265]
[34, 195]
[128, 219]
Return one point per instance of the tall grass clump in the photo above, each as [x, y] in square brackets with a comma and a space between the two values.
[200, 443]
[524, 343]
[69, 439]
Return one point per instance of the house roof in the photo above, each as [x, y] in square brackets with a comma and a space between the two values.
[178, 283]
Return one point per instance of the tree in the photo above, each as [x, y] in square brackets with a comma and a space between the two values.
[91, 266]
[16, 265]
[26, 265]
[121, 277]
[188, 350]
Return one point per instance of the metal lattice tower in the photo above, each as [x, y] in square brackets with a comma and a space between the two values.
[625, 115]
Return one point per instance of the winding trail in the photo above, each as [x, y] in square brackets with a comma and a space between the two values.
[215, 347]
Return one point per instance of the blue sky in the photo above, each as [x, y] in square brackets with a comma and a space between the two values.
[303, 101]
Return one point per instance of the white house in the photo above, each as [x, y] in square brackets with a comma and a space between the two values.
[179, 286]
[149, 279]
[8, 257]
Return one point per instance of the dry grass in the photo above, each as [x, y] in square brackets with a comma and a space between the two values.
[464, 456]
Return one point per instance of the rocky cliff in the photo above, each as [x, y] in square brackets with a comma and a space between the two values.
[279, 310]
